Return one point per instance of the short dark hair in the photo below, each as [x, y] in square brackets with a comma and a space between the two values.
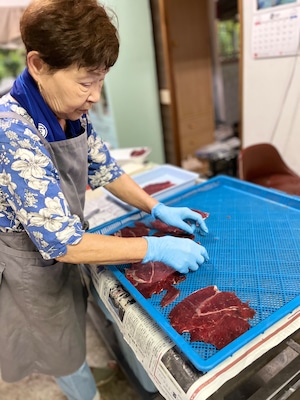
[70, 32]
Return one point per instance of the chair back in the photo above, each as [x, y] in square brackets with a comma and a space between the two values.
[261, 160]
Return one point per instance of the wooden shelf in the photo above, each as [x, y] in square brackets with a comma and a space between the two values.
[184, 65]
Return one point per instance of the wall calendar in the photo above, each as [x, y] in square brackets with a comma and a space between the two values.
[275, 29]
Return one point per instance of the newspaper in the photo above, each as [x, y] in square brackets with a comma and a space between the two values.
[99, 209]
[171, 372]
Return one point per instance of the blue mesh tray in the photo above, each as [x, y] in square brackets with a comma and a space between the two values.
[254, 249]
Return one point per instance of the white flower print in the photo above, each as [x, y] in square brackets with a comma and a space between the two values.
[30, 199]
[21, 111]
[101, 177]
[25, 144]
[31, 136]
[11, 135]
[94, 142]
[3, 158]
[95, 147]
[54, 207]
[5, 124]
[18, 109]
[14, 144]
[44, 219]
[39, 237]
[64, 203]
[5, 180]
[30, 165]
[22, 216]
[47, 254]
[3, 206]
[19, 201]
[39, 185]
[65, 235]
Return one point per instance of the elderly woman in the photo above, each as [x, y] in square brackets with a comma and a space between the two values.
[49, 152]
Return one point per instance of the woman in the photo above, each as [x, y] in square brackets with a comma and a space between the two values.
[49, 152]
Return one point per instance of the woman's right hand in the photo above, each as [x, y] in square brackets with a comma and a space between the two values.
[179, 253]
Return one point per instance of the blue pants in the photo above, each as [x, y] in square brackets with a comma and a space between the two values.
[80, 385]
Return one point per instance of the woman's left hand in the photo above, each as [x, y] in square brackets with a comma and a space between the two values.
[181, 217]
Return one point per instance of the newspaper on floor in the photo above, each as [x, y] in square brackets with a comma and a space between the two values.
[170, 370]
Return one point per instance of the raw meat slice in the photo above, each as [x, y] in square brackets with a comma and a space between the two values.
[136, 153]
[204, 214]
[157, 187]
[212, 316]
[164, 229]
[141, 229]
[154, 277]
[161, 227]
[138, 230]
[170, 296]
[178, 233]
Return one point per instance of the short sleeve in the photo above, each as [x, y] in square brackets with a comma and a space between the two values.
[103, 168]
[30, 195]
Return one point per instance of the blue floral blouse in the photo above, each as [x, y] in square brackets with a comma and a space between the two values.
[30, 196]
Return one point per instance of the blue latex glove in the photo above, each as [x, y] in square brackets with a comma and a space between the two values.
[179, 253]
[177, 216]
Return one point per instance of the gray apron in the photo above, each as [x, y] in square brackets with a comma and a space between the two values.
[43, 303]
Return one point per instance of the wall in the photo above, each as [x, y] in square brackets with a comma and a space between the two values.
[132, 83]
[271, 94]
[14, 3]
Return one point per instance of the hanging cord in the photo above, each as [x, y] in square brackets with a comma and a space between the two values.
[284, 99]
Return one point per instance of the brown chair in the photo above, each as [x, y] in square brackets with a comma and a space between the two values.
[262, 164]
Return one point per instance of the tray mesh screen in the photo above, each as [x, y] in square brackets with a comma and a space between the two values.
[254, 249]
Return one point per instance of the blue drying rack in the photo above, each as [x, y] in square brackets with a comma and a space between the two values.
[254, 249]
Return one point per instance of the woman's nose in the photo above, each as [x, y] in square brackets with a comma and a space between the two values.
[95, 93]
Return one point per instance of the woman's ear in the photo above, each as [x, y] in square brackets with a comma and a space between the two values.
[35, 64]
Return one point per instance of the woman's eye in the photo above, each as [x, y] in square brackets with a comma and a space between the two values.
[86, 84]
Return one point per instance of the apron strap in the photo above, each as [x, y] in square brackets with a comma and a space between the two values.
[11, 114]
[14, 115]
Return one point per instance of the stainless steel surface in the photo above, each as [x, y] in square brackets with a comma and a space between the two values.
[274, 376]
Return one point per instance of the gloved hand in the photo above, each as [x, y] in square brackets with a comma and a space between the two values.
[179, 253]
[177, 216]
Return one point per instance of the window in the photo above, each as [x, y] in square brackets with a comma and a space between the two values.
[12, 62]
[228, 37]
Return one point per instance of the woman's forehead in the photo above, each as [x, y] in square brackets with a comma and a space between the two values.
[82, 72]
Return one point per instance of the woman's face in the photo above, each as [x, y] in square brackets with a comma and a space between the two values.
[71, 92]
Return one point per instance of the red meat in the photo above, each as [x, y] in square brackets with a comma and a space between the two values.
[163, 228]
[211, 316]
[138, 230]
[154, 277]
[170, 296]
[157, 187]
[136, 153]
[204, 214]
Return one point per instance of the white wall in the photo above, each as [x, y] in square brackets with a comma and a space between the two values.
[271, 98]
[14, 3]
